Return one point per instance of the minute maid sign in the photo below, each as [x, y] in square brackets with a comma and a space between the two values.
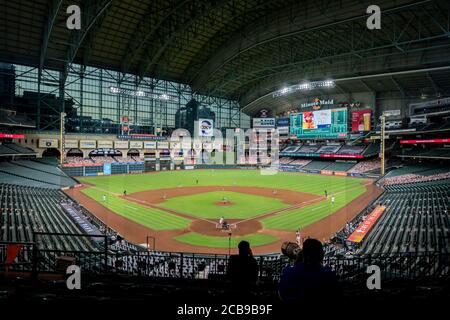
[205, 127]
[317, 103]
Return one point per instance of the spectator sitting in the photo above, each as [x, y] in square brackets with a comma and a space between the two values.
[242, 268]
[308, 278]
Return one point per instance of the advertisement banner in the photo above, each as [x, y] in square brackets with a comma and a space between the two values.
[263, 122]
[105, 144]
[12, 136]
[341, 156]
[361, 120]
[365, 226]
[70, 144]
[136, 144]
[326, 172]
[48, 143]
[107, 169]
[88, 144]
[283, 131]
[205, 127]
[163, 145]
[425, 141]
[186, 145]
[340, 173]
[149, 144]
[316, 119]
[283, 122]
[121, 144]
[358, 175]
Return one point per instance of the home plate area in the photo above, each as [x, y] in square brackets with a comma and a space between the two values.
[235, 226]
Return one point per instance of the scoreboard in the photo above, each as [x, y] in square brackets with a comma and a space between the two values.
[325, 124]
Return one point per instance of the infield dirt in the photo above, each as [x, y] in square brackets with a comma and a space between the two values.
[134, 232]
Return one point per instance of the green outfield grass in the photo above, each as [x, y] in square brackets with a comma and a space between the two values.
[197, 239]
[300, 218]
[203, 205]
[309, 183]
[149, 217]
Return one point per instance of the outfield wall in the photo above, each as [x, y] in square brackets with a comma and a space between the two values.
[139, 167]
[104, 169]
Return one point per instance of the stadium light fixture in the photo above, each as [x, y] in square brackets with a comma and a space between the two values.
[141, 94]
[304, 86]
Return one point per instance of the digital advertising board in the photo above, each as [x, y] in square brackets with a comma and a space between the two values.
[327, 124]
[205, 127]
[361, 120]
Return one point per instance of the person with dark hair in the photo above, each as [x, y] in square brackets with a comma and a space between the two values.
[243, 268]
[307, 278]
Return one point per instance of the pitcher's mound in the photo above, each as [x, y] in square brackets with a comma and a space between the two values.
[224, 203]
[242, 228]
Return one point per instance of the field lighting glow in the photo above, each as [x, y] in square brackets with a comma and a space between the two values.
[304, 86]
[141, 93]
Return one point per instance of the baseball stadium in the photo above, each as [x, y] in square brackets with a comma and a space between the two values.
[207, 150]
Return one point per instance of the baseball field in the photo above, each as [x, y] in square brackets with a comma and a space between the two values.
[180, 210]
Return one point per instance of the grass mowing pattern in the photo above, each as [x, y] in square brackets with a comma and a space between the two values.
[244, 205]
[149, 217]
[347, 188]
[309, 183]
[196, 239]
[300, 218]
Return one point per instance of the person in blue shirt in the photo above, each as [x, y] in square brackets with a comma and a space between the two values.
[308, 279]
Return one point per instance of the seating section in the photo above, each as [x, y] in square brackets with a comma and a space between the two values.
[309, 149]
[428, 153]
[173, 265]
[9, 148]
[28, 209]
[348, 149]
[414, 178]
[367, 150]
[409, 169]
[366, 166]
[300, 162]
[286, 160]
[38, 166]
[35, 172]
[317, 165]
[8, 178]
[372, 150]
[340, 166]
[98, 160]
[291, 149]
[329, 149]
[416, 219]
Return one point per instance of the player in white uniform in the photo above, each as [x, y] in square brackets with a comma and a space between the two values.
[298, 237]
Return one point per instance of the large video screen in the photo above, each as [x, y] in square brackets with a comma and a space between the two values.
[331, 123]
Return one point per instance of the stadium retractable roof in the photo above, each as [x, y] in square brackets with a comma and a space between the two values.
[239, 49]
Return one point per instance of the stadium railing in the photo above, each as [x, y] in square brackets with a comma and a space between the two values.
[33, 258]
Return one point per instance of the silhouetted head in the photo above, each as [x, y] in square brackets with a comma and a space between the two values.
[244, 248]
[312, 252]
